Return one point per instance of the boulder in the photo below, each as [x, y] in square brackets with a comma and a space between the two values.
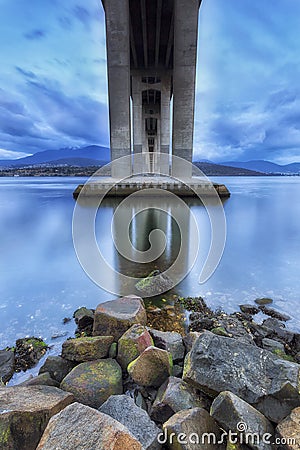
[191, 429]
[84, 319]
[86, 348]
[123, 409]
[132, 343]
[249, 309]
[155, 283]
[263, 301]
[28, 352]
[271, 345]
[42, 379]
[93, 382]
[83, 428]
[189, 340]
[175, 395]
[112, 353]
[259, 377]
[276, 329]
[151, 368]
[177, 371]
[57, 367]
[24, 413]
[170, 341]
[289, 430]
[7, 364]
[233, 413]
[113, 318]
[275, 314]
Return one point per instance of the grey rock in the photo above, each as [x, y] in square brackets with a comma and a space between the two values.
[151, 368]
[24, 413]
[270, 384]
[113, 318]
[170, 341]
[57, 367]
[94, 381]
[189, 340]
[189, 425]
[175, 395]
[7, 364]
[276, 329]
[275, 314]
[271, 345]
[289, 429]
[177, 371]
[232, 413]
[42, 379]
[154, 284]
[249, 309]
[84, 318]
[123, 409]
[83, 428]
[86, 348]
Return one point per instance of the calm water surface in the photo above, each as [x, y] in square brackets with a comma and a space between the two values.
[42, 281]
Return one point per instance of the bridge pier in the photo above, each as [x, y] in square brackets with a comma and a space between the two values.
[118, 70]
[151, 57]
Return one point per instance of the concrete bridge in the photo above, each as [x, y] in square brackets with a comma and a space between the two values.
[151, 59]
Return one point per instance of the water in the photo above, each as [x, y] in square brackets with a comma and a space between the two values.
[42, 281]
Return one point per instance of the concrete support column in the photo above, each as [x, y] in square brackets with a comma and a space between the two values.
[165, 95]
[137, 112]
[118, 64]
[184, 73]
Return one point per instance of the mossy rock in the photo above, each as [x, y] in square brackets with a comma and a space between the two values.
[25, 412]
[28, 352]
[133, 342]
[86, 348]
[93, 382]
[152, 367]
[220, 331]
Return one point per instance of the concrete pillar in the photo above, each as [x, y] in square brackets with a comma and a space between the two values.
[118, 64]
[137, 112]
[184, 73]
[165, 95]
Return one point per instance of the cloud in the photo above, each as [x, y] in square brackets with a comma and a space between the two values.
[35, 34]
[9, 154]
[82, 14]
[26, 73]
[79, 117]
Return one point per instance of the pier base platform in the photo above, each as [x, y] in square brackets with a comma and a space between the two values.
[113, 188]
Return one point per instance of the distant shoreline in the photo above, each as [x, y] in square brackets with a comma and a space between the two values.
[76, 171]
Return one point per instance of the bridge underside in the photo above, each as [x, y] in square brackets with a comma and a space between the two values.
[151, 59]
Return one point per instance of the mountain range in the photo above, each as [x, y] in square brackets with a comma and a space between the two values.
[95, 155]
[84, 156]
[265, 166]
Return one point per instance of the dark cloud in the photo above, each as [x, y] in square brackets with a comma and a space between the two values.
[77, 117]
[8, 104]
[82, 14]
[65, 22]
[26, 73]
[35, 34]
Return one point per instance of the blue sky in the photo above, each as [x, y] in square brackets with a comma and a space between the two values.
[53, 85]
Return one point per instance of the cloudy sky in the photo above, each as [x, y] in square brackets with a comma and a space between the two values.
[53, 85]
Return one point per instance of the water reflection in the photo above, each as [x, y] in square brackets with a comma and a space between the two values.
[42, 281]
[148, 233]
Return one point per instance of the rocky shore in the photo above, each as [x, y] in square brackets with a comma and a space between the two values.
[137, 378]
